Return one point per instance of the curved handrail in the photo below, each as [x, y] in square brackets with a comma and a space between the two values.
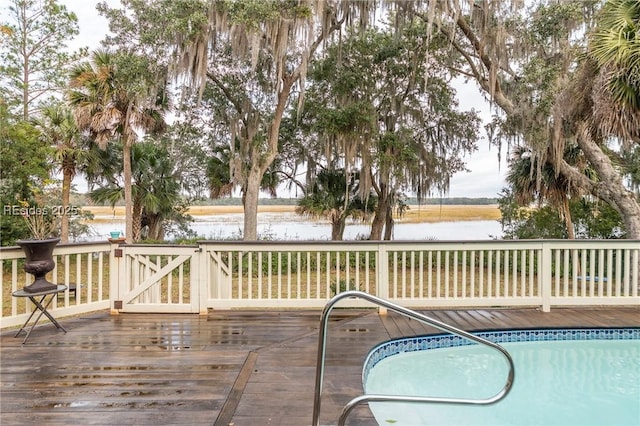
[322, 342]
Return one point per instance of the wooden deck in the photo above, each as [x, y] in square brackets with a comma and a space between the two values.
[241, 368]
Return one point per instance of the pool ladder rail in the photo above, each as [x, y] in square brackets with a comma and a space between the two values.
[322, 343]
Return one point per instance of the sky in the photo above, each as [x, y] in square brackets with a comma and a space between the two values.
[486, 177]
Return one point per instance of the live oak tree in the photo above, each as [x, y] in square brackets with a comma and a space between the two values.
[600, 110]
[524, 57]
[380, 101]
[256, 53]
[521, 54]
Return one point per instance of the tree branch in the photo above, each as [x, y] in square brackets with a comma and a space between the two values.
[227, 93]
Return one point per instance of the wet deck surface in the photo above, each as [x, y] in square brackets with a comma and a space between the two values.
[241, 368]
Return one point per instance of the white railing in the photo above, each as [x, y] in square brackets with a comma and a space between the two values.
[424, 274]
[225, 275]
[84, 267]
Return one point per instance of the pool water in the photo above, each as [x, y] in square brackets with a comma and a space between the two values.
[557, 382]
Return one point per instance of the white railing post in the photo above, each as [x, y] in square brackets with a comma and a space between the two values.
[382, 275]
[545, 275]
[115, 271]
[201, 281]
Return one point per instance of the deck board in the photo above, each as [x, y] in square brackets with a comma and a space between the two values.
[228, 367]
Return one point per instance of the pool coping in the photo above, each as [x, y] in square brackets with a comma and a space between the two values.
[446, 340]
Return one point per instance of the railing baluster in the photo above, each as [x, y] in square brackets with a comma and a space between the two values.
[523, 273]
[181, 284]
[610, 272]
[464, 274]
[584, 273]
[394, 264]
[529, 288]
[367, 260]
[514, 273]
[260, 274]
[403, 274]
[481, 267]
[328, 274]
[628, 270]
[319, 275]
[89, 279]
[508, 276]
[454, 291]
[288, 275]
[240, 276]
[472, 291]
[270, 275]
[634, 269]
[357, 269]
[438, 274]
[299, 276]
[496, 283]
[14, 287]
[430, 272]
[601, 273]
[412, 272]
[562, 271]
[309, 275]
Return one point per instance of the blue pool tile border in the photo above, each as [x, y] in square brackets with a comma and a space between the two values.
[421, 343]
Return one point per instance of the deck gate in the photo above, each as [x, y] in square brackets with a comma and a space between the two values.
[162, 279]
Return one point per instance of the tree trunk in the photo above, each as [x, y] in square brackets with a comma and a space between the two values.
[571, 233]
[67, 176]
[128, 202]
[250, 202]
[156, 231]
[388, 228]
[380, 216]
[337, 228]
[260, 164]
[25, 91]
[136, 221]
[609, 187]
[377, 225]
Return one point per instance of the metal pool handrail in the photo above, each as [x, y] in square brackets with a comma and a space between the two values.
[322, 343]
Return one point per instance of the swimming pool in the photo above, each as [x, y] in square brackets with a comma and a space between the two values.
[563, 377]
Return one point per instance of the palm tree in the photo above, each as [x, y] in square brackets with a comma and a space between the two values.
[116, 95]
[615, 47]
[533, 178]
[155, 190]
[59, 131]
[333, 196]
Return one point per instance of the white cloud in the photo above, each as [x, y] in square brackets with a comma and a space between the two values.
[487, 175]
[93, 27]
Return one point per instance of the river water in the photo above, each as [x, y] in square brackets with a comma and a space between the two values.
[292, 227]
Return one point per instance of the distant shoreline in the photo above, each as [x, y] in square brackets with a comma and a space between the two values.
[415, 214]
